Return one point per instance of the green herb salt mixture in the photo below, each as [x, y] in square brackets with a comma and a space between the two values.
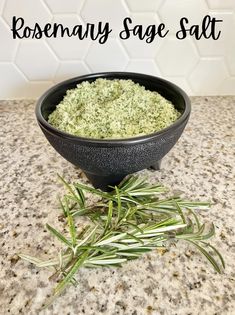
[112, 109]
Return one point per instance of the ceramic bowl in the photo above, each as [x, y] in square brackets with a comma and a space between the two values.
[107, 162]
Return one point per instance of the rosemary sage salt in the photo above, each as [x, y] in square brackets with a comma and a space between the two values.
[112, 109]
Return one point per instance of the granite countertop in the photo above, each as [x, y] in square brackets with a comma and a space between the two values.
[178, 282]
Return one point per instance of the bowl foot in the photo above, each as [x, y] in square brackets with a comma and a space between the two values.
[103, 182]
[156, 166]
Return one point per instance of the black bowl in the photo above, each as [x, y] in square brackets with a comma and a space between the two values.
[107, 162]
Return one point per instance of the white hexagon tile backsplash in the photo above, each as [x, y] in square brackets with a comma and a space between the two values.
[29, 66]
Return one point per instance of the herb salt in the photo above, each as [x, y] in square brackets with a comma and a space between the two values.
[112, 109]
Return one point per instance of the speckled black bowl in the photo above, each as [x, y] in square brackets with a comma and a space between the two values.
[107, 162]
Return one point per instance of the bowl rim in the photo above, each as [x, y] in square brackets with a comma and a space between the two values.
[123, 141]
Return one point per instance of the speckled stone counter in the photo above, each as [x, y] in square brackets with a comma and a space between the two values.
[179, 282]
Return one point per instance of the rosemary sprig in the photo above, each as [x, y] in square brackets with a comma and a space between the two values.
[125, 223]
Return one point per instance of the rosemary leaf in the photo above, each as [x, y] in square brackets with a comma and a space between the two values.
[59, 235]
[207, 255]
